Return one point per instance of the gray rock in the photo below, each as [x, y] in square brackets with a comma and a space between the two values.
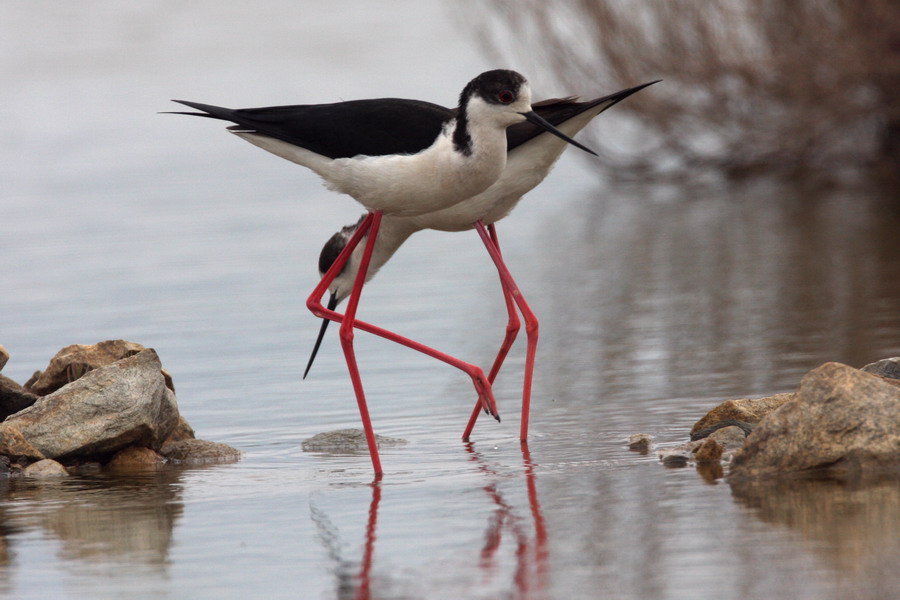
[841, 421]
[678, 456]
[105, 410]
[731, 438]
[45, 469]
[886, 367]
[343, 441]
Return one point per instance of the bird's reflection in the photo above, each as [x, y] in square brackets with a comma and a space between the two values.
[531, 554]
[531, 551]
[350, 585]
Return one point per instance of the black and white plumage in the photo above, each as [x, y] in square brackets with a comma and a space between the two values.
[401, 157]
[531, 157]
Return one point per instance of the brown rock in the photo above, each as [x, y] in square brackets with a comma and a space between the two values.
[34, 377]
[13, 397]
[136, 457]
[4, 356]
[841, 419]
[45, 469]
[182, 431]
[14, 444]
[109, 408]
[709, 450]
[747, 410]
[72, 362]
[640, 442]
[199, 451]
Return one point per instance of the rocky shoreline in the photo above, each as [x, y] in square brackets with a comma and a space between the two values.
[107, 405]
[841, 422]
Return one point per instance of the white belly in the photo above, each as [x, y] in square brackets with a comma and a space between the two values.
[403, 185]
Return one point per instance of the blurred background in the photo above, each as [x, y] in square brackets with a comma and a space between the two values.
[796, 89]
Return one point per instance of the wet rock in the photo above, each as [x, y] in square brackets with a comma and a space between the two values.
[679, 456]
[345, 441]
[72, 362]
[4, 356]
[108, 408]
[709, 450]
[841, 420]
[745, 410]
[640, 442]
[136, 457]
[720, 445]
[13, 443]
[731, 438]
[199, 451]
[745, 428]
[13, 397]
[182, 431]
[887, 367]
[45, 469]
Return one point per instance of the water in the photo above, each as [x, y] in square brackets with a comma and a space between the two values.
[655, 303]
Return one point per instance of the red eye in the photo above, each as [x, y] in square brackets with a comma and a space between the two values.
[506, 96]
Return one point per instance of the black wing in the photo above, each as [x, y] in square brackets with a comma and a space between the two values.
[560, 110]
[344, 129]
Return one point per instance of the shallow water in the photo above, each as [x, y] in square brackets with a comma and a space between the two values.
[655, 303]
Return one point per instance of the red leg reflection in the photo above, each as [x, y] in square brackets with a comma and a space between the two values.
[531, 555]
[363, 591]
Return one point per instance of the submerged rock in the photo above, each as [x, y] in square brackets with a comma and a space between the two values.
[346, 440]
[199, 451]
[136, 457]
[840, 420]
[44, 469]
[106, 409]
[640, 442]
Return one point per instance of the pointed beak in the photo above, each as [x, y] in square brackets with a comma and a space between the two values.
[332, 303]
[533, 117]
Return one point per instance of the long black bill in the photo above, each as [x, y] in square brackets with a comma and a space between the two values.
[533, 117]
[332, 302]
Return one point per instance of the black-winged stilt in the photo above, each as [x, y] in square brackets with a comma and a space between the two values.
[396, 157]
[531, 157]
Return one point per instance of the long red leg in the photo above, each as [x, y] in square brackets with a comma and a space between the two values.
[512, 329]
[314, 303]
[347, 341]
[512, 325]
[531, 326]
